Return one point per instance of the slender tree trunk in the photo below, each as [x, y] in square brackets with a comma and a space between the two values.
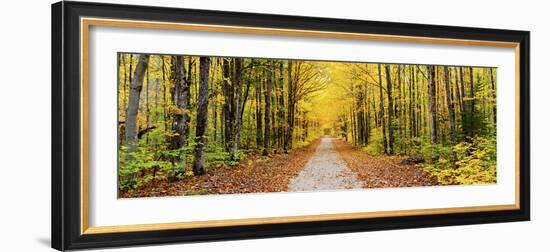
[122, 107]
[124, 84]
[412, 105]
[465, 105]
[450, 103]
[215, 120]
[354, 127]
[147, 115]
[202, 116]
[212, 97]
[227, 106]
[401, 104]
[130, 77]
[290, 112]
[450, 107]
[457, 91]
[165, 101]
[472, 103]
[267, 115]
[390, 108]
[359, 118]
[382, 119]
[157, 90]
[432, 105]
[259, 126]
[276, 77]
[494, 90]
[366, 113]
[237, 109]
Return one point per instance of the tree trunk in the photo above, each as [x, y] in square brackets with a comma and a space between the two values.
[133, 103]
[472, 103]
[180, 115]
[290, 112]
[382, 119]
[390, 108]
[450, 107]
[147, 116]
[457, 92]
[124, 84]
[259, 126]
[202, 116]
[227, 106]
[400, 106]
[450, 104]
[164, 100]
[267, 114]
[465, 105]
[122, 107]
[237, 109]
[412, 105]
[493, 87]
[213, 96]
[432, 105]
[367, 114]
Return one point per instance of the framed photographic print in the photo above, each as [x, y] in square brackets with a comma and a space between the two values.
[181, 125]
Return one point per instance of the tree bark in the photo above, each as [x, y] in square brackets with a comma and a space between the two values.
[382, 119]
[280, 108]
[457, 92]
[202, 116]
[390, 108]
[450, 103]
[450, 107]
[259, 140]
[227, 106]
[494, 89]
[290, 112]
[133, 103]
[180, 124]
[267, 115]
[237, 109]
[472, 103]
[432, 105]
[412, 105]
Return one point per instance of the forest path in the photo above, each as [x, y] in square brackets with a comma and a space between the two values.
[326, 170]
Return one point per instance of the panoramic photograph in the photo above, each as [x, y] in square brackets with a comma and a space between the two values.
[206, 125]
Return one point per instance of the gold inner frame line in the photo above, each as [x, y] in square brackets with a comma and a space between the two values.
[85, 24]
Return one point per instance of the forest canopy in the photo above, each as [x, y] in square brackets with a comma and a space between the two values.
[182, 116]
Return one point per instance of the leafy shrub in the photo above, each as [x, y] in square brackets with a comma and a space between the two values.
[152, 159]
[476, 162]
[376, 143]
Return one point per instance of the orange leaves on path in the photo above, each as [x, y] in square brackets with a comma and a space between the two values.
[382, 171]
[255, 173]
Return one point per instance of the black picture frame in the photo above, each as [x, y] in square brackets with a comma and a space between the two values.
[66, 155]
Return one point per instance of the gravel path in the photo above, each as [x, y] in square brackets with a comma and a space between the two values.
[326, 170]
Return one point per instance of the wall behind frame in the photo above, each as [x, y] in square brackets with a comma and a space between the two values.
[25, 127]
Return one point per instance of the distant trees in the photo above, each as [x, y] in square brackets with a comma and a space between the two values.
[413, 100]
[441, 113]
